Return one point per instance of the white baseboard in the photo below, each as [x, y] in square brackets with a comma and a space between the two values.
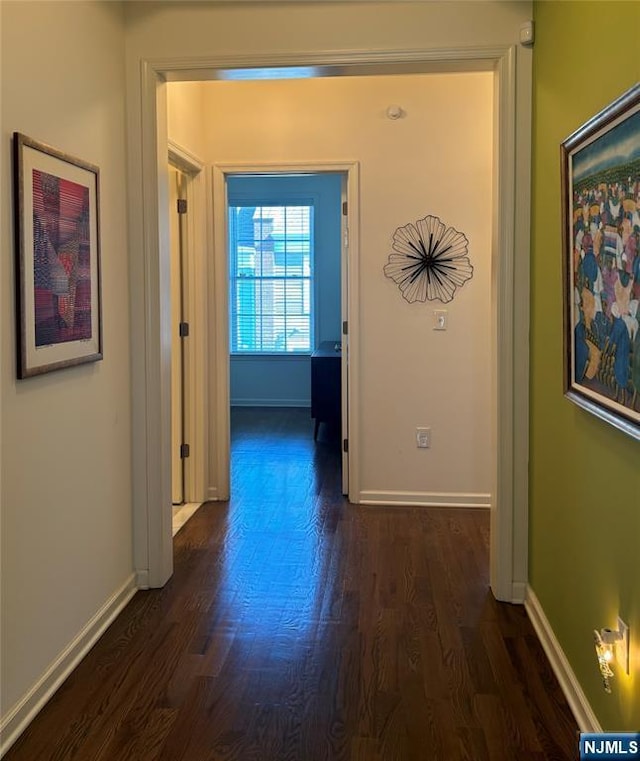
[142, 579]
[582, 711]
[19, 717]
[424, 499]
[181, 515]
[519, 592]
[213, 495]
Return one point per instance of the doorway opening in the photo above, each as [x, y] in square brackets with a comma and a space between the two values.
[509, 430]
[251, 378]
[285, 250]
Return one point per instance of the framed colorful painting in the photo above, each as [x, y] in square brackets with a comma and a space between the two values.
[57, 258]
[601, 221]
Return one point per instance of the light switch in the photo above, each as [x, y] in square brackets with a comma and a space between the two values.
[423, 437]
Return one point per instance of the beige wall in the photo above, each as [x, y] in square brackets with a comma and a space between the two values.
[185, 117]
[436, 160]
[187, 30]
[66, 476]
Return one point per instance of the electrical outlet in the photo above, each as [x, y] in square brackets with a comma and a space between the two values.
[622, 646]
[423, 438]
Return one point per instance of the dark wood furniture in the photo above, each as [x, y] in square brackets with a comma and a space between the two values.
[326, 397]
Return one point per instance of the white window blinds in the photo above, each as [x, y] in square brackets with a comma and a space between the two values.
[271, 278]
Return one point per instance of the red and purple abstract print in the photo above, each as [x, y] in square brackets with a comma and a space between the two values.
[62, 260]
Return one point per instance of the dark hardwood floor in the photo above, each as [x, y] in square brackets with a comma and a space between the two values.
[298, 627]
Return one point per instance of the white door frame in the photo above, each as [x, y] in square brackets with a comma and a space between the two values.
[196, 314]
[219, 369]
[153, 555]
[179, 391]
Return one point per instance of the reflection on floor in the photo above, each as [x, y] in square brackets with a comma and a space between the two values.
[299, 627]
[256, 432]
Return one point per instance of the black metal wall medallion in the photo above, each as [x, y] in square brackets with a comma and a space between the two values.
[429, 260]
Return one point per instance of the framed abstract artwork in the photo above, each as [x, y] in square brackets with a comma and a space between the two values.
[601, 241]
[58, 298]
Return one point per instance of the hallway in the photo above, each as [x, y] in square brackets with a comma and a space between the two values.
[298, 627]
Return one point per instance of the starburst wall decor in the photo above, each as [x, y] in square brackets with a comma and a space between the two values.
[429, 261]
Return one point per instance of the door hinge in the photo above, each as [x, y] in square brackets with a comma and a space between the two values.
[345, 445]
[182, 205]
[184, 451]
[183, 329]
[345, 328]
[346, 237]
[345, 206]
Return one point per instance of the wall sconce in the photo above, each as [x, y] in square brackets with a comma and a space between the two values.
[605, 641]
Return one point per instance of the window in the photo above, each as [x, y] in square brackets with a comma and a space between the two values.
[271, 271]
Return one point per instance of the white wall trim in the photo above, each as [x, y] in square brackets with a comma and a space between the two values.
[219, 327]
[354, 62]
[151, 354]
[19, 717]
[213, 494]
[519, 315]
[424, 499]
[505, 512]
[142, 579]
[2, 202]
[350, 371]
[519, 592]
[195, 263]
[182, 158]
[582, 711]
[183, 513]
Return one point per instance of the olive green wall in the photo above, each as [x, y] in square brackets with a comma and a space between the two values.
[585, 474]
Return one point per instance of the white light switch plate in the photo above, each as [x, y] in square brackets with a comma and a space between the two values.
[423, 438]
[440, 319]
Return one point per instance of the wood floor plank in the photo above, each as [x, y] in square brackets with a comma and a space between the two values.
[298, 627]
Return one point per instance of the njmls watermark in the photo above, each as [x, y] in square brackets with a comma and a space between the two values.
[609, 745]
